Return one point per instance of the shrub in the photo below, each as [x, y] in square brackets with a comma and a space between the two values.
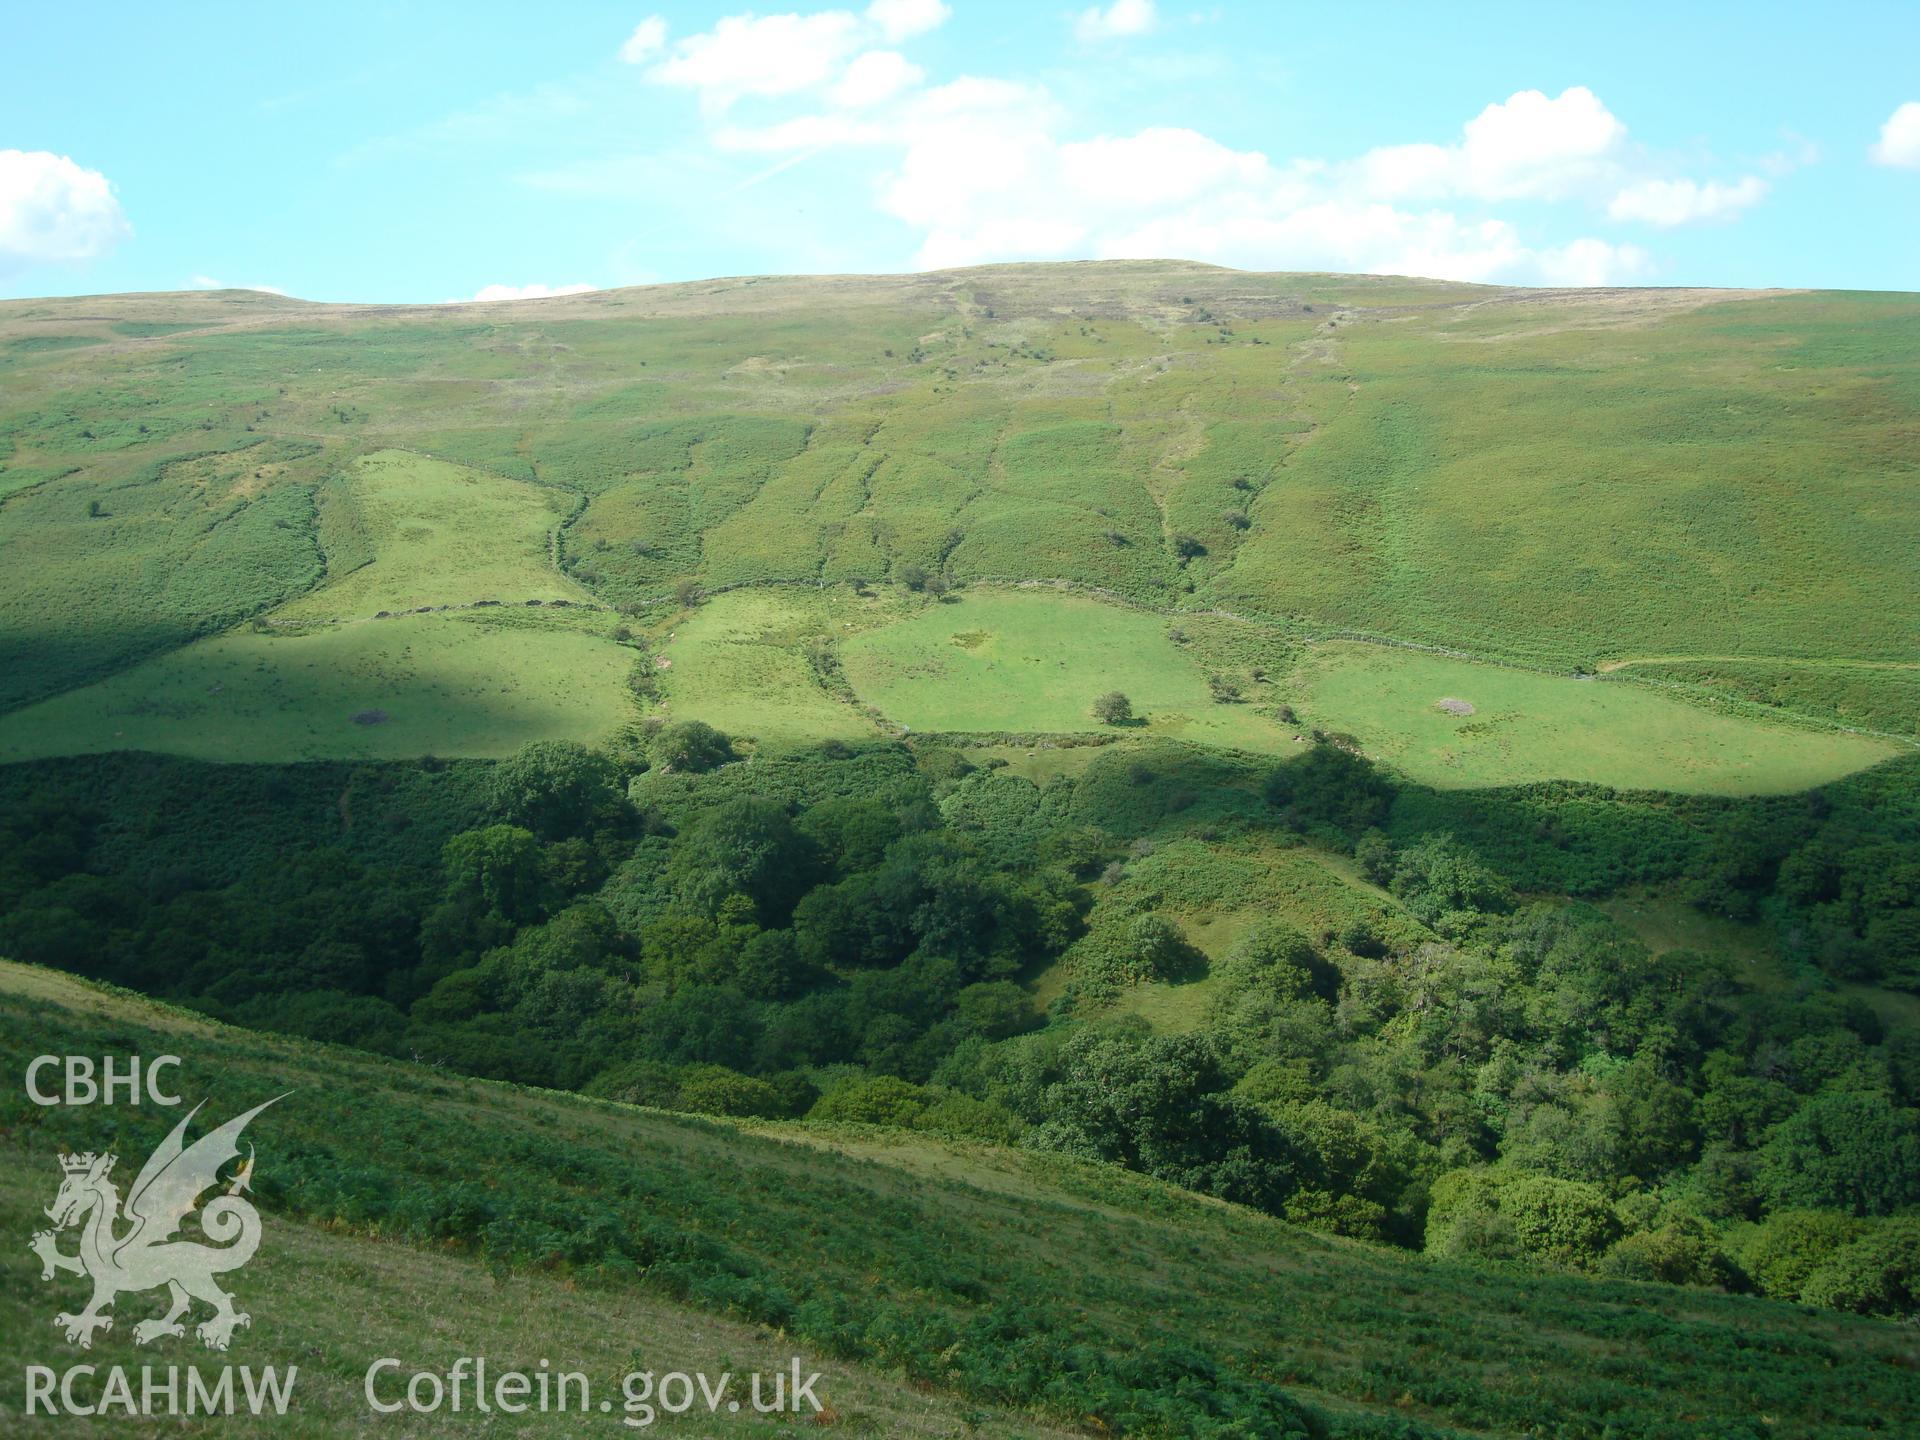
[1683, 1251]
[1359, 938]
[1464, 1220]
[1113, 708]
[1351, 1169]
[995, 1009]
[554, 788]
[965, 1118]
[1494, 1214]
[1845, 1152]
[873, 1100]
[1877, 1274]
[1330, 786]
[1781, 1254]
[1149, 947]
[745, 846]
[692, 746]
[716, 1090]
[1375, 854]
[1440, 876]
[1559, 1222]
[637, 1082]
[1158, 1104]
[1224, 689]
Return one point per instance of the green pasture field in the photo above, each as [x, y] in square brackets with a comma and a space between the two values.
[1528, 726]
[739, 663]
[1036, 661]
[402, 530]
[476, 683]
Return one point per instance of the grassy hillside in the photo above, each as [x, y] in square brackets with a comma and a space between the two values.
[1609, 476]
[940, 1287]
[1644, 481]
[1468, 988]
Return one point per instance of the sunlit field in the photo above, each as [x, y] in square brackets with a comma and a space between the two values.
[1449, 722]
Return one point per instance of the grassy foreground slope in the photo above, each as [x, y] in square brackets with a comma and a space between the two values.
[330, 1302]
[936, 1284]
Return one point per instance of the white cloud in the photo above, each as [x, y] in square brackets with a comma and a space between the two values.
[1899, 143]
[985, 169]
[767, 55]
[972, 151]
[1157, 166]
[1535, 146]
[1259, 233]
[1393, 171]
[1328, 235]
[901, 19]
[54, 210]
[875, 76]
[803, 132]
[1120, 19]
[834, 54]
[982, 177]
[523, 292]
[1593, 262]
[1527, 146]
[1685, 202]
[649, 38]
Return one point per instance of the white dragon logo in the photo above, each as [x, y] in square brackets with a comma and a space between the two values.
[146, 1257]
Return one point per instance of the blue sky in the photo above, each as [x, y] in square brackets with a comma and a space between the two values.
[426, 152]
